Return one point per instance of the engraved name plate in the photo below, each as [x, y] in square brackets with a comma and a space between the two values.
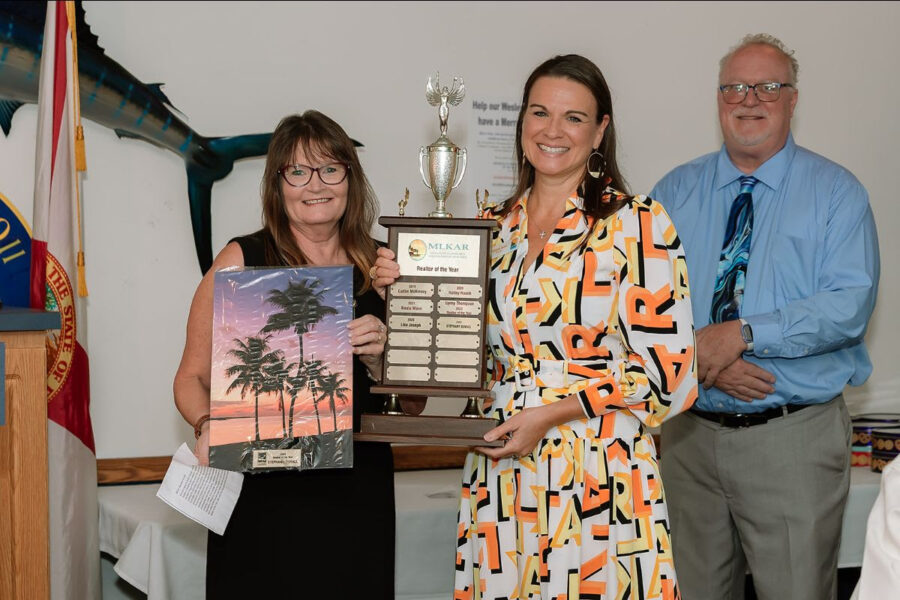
[459, 307]
[287, 457]
[459, 324]
[410, 322]
[460, 290]
[418, 289]
[411, 305]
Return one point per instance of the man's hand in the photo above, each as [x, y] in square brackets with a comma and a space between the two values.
[745, 381]
[718, 345]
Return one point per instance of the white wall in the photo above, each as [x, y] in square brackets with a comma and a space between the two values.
[236, 68]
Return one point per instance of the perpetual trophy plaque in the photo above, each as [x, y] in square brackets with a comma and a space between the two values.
[436, 309]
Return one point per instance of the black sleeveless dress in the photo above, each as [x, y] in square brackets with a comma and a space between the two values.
[312, 534]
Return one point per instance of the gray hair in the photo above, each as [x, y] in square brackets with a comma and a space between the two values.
[754, 39]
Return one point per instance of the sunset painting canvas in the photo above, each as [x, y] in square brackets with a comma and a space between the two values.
[281, 386]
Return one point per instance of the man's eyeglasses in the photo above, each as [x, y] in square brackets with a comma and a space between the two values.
[300, 175]
[767, 91]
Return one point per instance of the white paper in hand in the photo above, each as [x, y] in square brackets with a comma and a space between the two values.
[203, 494]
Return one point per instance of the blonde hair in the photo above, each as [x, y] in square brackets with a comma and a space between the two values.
[764, 39]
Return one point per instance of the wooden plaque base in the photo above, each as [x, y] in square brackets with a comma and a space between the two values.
[432, 431]
[413, 390]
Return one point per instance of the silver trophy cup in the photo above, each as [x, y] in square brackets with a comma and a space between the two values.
[446, 162]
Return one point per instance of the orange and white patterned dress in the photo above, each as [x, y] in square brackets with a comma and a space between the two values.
[605, 315]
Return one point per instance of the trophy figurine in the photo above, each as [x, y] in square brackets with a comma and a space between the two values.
[443, 157]
[436, 310]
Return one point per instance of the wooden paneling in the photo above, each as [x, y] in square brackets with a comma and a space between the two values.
[145, 469]
[24, 542]
[142, 469]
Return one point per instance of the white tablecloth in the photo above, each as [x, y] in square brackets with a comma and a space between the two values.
[864, 486]
[880, 576]
[163, 554]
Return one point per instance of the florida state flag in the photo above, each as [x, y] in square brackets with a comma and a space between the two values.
[74, 550]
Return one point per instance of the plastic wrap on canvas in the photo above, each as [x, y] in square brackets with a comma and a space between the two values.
[281, 385]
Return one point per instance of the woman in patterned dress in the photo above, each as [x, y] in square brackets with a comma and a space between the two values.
[591, 340]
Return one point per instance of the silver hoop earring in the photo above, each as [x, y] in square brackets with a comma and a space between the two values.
[601, 165]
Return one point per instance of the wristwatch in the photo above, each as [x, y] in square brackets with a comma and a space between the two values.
[747, 335]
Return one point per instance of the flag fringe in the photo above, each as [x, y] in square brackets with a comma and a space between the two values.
[80, 155]
[82, 280]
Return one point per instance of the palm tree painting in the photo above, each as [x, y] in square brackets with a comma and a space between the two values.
[301, 307]
[249, 372]
[296, 384]
[274, 382]
[333, 387]
[280, 348]
[315, 373]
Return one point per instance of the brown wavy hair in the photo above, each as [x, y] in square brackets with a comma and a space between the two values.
[317, 134]
[580, 70]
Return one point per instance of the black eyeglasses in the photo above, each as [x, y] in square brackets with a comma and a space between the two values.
[300, 175]
[766, 91]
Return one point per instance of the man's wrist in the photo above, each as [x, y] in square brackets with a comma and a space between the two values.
[747, 334]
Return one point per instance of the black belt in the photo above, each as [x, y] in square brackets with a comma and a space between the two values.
[748, 419]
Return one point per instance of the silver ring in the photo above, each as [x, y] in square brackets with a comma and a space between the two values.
[381, 328]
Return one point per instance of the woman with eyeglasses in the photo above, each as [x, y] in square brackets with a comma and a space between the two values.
[315, 534]
[591, 342]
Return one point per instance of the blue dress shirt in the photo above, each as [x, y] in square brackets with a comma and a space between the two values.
[812, 276]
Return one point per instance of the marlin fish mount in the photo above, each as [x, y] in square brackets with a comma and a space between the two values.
[114, 98]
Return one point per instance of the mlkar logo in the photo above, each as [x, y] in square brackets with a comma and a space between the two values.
[417, 249]
[60, 344]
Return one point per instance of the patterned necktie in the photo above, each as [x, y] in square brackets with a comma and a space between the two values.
[730, 277]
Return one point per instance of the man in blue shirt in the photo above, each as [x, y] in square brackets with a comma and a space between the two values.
[783, 266]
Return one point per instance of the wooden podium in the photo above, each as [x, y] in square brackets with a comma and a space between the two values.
[24, 535]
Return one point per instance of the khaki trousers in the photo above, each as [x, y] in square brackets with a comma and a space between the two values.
[769, 497]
